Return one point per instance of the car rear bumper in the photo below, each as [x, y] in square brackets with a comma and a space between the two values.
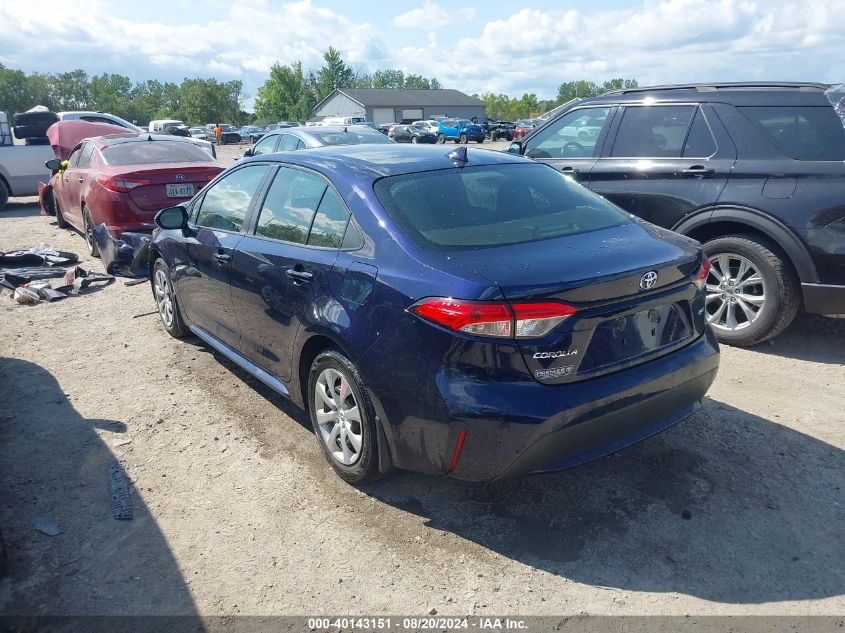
[541, 428]
[824, 299]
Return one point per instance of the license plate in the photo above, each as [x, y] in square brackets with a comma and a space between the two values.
[180, 191]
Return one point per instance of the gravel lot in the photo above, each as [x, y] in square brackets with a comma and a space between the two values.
[738, 510]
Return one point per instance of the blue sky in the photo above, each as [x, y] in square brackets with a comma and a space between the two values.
[494, 46]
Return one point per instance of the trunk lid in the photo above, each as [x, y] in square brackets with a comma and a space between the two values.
[168, 185]
[618, 322]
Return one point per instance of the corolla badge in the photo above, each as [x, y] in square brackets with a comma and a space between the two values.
[556, 354]
[179, 177]
[648, 280]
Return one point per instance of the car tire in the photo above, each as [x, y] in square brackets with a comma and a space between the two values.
[441, 139]
[60, 218]
[463, 139]
[4, 195]
[165, 298]
[774, 299]
[336, 434]
[414, 140]
[41, 119]
[88, 232]
[30, 131]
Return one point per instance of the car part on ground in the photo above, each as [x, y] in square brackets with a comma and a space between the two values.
[126, 256]
[757, 166]
[509, 361]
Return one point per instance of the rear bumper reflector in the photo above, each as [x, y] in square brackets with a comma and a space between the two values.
[459, 445]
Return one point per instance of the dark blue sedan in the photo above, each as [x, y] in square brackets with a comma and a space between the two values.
[469, 313]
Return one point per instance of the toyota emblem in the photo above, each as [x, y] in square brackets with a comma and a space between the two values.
[648, 280]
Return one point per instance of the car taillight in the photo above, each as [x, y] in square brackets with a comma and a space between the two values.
[493, 318]
[121, 184]
[701, 276]
[538, 319]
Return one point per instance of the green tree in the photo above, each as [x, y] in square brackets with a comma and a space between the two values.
[334, 74]
[110, 93]
[389, 79]
[417, 82]
[69, 91]
[288, 94]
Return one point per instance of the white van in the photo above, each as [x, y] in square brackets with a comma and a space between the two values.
[343, 120]
[159, 126]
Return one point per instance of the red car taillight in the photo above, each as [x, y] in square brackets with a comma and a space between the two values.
[493, 318]
[700, 278]
[121, 184]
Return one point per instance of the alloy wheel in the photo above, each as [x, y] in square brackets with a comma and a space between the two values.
[736, 292]
[338, 417]
[163, 297]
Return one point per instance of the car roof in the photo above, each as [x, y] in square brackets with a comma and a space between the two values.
[738, 93]
[378, 160]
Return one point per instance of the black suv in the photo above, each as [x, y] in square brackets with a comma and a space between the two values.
[753, 171]
[495, 130]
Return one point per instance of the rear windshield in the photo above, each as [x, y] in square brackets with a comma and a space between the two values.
[492, 205]
[351, 137]
[141, 152]
[802, 133]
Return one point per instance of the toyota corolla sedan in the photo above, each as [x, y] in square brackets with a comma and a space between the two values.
[122, 180]
[465, 313]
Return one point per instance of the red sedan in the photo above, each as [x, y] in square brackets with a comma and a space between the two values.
[524, 127]
[123, 180]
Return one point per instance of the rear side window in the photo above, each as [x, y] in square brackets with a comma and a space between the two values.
[700, 142]
[290, 205]
[143, 152]
[492, 205]
[652, 131]
[330, 222]
[802, 133]
[265, 145]
[226, 202]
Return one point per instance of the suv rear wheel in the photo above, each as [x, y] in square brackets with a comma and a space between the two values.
[752, 290]
[441, 138]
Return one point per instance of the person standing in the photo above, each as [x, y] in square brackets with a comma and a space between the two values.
[218, 133]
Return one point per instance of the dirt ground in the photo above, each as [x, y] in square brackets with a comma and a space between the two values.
[738, 510]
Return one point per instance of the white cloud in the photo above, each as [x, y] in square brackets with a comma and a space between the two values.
[654, 41]
[432, 15]
[530, 50]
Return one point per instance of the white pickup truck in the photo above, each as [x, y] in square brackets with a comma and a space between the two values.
[21, 166]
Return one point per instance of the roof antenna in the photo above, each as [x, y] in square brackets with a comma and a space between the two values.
[458, 155]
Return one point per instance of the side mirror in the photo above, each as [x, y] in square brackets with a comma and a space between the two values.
[54, 164]
[172, 218]
[515, 147]
[248, 152]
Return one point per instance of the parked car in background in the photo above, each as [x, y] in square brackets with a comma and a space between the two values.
[755, 171]
[199, 133]
[494, 129]
[428, 125]
[406, 298]
[124, 180]
[251, 133]
[111, 119]
[459, 131]
[288, 139]
[413, 134]
[230, 136]
[281, 124]
[385, 128]
[523, 127]
[21, 166]
[343, 120]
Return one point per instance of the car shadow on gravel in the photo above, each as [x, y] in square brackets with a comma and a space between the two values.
[727, 506]
[812, 338]
[53, 465]
[20, 210]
